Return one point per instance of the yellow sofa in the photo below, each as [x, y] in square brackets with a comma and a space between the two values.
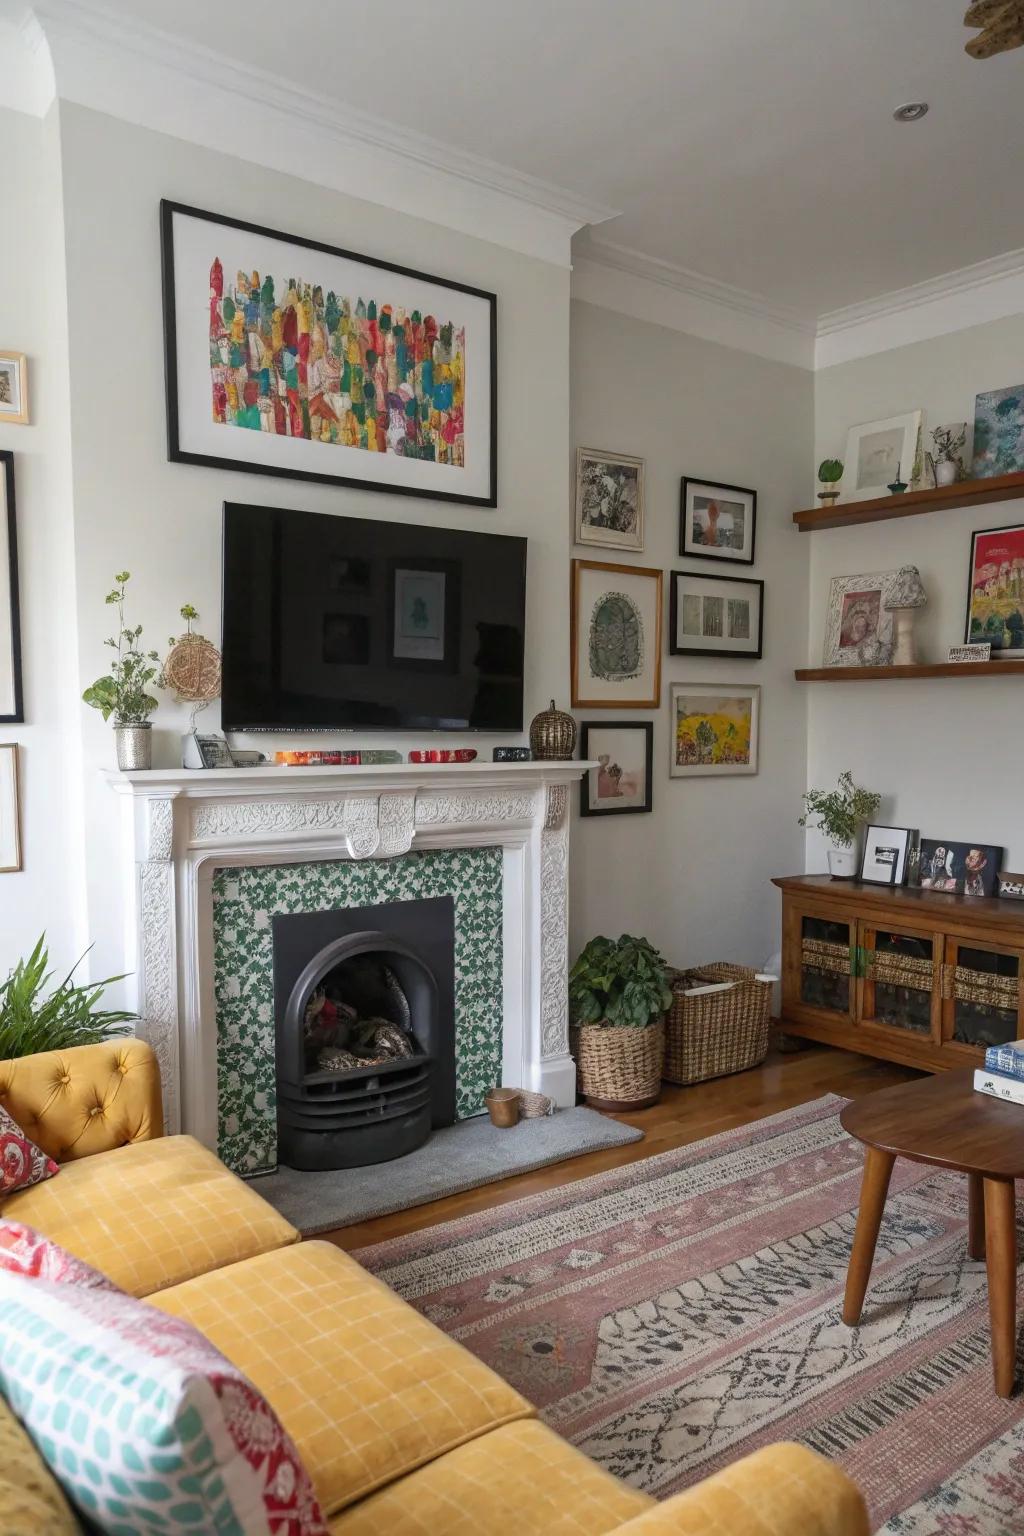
[402, 1429]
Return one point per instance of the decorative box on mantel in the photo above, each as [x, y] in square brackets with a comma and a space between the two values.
[180, 826]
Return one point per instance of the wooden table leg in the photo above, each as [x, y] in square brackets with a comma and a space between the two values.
[875, 1187]
[975, 1216]
[1001, 1259]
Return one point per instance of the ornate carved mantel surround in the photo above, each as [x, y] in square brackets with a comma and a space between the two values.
[181, 825]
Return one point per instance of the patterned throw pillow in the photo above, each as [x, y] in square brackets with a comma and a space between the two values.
[21, 1162]
[147, 1427]
[24, 1251]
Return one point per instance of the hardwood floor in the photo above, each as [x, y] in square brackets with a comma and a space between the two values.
[681, 1116]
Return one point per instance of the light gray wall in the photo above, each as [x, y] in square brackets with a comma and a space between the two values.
[946, 754]
[695, 875]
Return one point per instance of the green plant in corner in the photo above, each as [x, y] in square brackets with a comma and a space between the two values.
[619, 982]
[37, 1017]
[841, 812]
[122, 692]
[830, 472]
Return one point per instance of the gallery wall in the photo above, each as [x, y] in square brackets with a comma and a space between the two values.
[695, 874]
[945, 754]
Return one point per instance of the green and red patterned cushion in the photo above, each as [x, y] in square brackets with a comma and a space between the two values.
[21, 1162]
[148, 1428]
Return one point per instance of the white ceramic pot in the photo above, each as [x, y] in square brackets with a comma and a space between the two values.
[842, 862]
[945, 472]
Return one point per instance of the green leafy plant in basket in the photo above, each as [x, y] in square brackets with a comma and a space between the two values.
[35, 1016]
[619, 982]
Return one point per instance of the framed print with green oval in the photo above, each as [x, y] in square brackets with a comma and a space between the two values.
[616, 636]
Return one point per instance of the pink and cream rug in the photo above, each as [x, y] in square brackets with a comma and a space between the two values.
[678, 1313]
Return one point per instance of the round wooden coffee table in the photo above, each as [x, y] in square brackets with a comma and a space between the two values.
[941, 1120]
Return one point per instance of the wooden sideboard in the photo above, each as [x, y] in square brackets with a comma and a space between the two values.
[920, 977]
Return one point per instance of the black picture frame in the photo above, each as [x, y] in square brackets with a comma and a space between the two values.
[695, 552]
[909, 835]
[178, 455]
[675, 649]
[644, 726]
[17, 717]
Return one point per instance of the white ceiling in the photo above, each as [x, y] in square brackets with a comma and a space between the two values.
[750, 141]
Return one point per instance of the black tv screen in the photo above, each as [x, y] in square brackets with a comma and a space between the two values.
[354, 624]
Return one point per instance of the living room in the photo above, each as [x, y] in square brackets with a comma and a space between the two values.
[438, 686]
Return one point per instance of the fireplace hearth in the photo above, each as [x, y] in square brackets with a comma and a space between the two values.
[365, 1031]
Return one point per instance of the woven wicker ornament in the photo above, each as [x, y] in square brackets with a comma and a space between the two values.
[192, 669]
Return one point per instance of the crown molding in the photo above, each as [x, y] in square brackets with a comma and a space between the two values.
[144, 75]
[26, 73]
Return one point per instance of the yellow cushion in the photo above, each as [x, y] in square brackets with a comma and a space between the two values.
[521, 1478]
[86, 1099]
[152, 1214]
[31, 1501]
[366, 1387]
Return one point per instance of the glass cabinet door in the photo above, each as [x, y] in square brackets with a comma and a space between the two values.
[982, 995]
[900, 976]
[825, 950]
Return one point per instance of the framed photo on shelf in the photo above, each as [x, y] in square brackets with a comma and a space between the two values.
[13, 389]
[714, 729]
[1010, 886]
[11, 704]
[609, 499]
[858, 630]
[887, 853]
[286, 356]
[995, 591]
[715, 615]
[998, 432]
[622, 781]
[717, 522]
[10, 811]
[965, 869]
[881, 452]
[615, 637]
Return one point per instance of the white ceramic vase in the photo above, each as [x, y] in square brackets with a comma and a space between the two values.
[945, 472]
[842, 862]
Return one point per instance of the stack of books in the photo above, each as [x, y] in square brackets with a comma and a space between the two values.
[1002, 1076]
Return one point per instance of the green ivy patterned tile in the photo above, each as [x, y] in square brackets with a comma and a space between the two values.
[245, 900]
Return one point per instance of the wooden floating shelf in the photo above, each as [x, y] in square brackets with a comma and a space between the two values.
[938, 669]
[967, 493]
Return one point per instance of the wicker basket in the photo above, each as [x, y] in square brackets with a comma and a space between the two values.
[709, 1034]
[619, 1068]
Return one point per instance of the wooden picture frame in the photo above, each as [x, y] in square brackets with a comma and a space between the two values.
[12, 707]
[305, 406]
[716, 617]
[700, 514]
[10, 810]
[13, 389]
[617, 606]
[595, 735]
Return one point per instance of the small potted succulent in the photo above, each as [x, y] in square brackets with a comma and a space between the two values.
[618, 996]
[841, 814]
[830, 472]
[122, 692]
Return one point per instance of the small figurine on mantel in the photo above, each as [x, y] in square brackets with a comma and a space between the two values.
[903, 595]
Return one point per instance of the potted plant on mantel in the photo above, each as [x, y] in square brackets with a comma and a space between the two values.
[122, 692]
[618, 996]
[841, 815]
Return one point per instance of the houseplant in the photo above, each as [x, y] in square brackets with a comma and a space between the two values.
[122, 692]
[830, 472]
[35, 1016]
[840, 814]
[947, 463]
[618, 995]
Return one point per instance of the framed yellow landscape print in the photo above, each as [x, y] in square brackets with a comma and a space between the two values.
[714, 729]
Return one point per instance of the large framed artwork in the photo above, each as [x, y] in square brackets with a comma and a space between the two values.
[715, 615]
[615, 636]
[717, 522]
[286, 356]
[715, 729]
[995, 594]
[609, 499]
[623, 779]
[11, 707]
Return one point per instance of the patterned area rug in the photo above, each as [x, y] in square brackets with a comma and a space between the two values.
[681, 1312]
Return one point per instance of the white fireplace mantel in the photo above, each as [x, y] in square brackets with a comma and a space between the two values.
[182, 824]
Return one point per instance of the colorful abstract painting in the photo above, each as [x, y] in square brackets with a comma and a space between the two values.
[280, 348]
[996, 604]
[714, 729]
[999, 432]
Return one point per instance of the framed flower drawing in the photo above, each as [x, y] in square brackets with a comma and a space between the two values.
[609, 499]
[615, 636]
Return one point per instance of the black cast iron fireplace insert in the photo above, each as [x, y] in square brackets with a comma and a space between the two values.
[385, 974]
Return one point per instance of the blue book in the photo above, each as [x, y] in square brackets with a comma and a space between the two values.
[1008, 1059]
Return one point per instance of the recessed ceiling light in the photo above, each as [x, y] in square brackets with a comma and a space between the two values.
[910, 111]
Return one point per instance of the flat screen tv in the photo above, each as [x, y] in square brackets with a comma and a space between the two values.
[346, 623]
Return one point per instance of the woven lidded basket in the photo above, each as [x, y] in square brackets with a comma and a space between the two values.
[709, 1034]
[616, 1067]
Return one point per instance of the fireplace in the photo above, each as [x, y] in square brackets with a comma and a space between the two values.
[364, 1012]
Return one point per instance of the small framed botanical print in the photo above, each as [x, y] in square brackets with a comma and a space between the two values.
[714, 729]
[615, 636]
[13, 389]
[622, 780]
[715, 615]
[609, 499]
[717, 522]
[10, 811]
[887, 855]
